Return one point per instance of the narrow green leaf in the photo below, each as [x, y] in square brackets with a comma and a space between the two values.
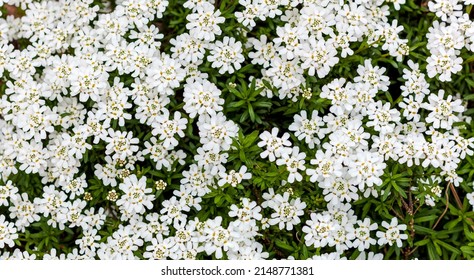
[283, 245]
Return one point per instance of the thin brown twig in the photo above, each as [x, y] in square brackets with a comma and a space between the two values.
[297, 238]
[456, 196]
[405, 205]
[417, 208]
[397, 214]
[410, 212]
[445, 209]
[410, 199]
[413, 251]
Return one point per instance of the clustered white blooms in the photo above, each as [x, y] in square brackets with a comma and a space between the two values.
[58, 106]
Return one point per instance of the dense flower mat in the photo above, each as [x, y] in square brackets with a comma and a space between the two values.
[286, 129]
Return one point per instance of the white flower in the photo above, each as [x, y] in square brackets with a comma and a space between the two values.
[187, 198]
[326, 168]
[363, 240]
[291, 37]
[95, 220]
[160, 249]
[317, 19]
[294, 162]
[445, 8]
[411, 108]
[446, 37]
[217, 239]
[211, 161]
[201, 97]
[372, 75]
[264, 51]
[172, 211]
[340, 190]
[188, 49]
[252, 252]
[234, 178]
[136, 197]
[147, 35]
[319, 230]
[193, 4]
[470, 198]
[370, 256]
[33, 158]
[23, 210]
[318, 56]
[328, 256]
[76, 186]
[355, 17]
[382, 118]
[392, 234]
[204, 23]
[7, 191]
[197, 179]
[308, 129]
[73, 213]
[443, 111]
[114, 108]
[167, 128]
[88, 83]
[248, 211]
[411, 150]
[226, 55]
[7, 233]
[342, 97]
[285, 74]
[37, 122]
[445, 63]
[22, 63]
[123, 242]
[216, 132]
[366, 168]
[275, 146]
[52, 203]
[343, 40]
[164, 72]
[287, 212]
[107, 173]
[121, 144]
[88, 243]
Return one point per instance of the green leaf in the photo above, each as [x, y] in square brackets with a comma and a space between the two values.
[422, 242]
[425, 218]
[386, 192]
[304, 252]
[433, 255]
[242, 155]
[262, 104]
[424, 230]
[251, 113]
[236, 104]
[467, 250]
[452, 224]
[236, 92]
[244, 116]
[250, 139]
[398, 189]
[283, 245]
[448, 247]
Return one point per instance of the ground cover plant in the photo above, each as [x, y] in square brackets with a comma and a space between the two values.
[251, 129]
